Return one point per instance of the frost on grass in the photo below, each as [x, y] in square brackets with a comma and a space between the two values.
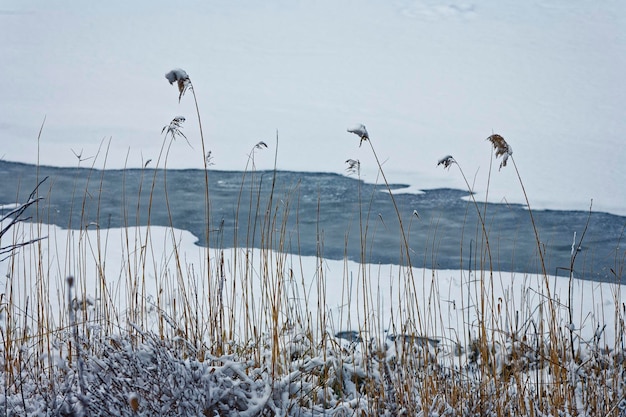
[164, 377]
[353, 374]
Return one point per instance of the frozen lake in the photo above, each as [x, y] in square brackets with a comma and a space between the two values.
[318, 214]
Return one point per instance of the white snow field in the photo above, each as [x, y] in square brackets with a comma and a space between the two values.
[154, 325]
[427, 78]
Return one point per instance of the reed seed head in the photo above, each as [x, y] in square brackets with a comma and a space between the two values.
[361, 132]
[354, 166]
[446, 161]
[174, 128]
[181, 78]
[209, 158]
[502, 148]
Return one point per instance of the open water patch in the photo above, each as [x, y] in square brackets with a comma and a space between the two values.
[323, 214]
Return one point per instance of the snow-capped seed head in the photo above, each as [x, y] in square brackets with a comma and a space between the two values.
[361, 132]
[446, 161]
[176, 74]
[260, 145]
[181, 78]
[502, 148]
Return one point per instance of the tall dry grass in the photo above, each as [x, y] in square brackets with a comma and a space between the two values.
[259, 326]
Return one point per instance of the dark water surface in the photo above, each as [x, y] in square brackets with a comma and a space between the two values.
[322, 214]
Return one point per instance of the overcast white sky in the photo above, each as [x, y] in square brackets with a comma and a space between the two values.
[427, 79]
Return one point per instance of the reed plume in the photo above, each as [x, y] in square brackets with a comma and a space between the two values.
[361, 132]
[502, 148]
[181, 78]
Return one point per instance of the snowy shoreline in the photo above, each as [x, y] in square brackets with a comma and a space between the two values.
[340, 284]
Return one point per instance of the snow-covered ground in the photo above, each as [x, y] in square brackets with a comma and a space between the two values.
[428, 78]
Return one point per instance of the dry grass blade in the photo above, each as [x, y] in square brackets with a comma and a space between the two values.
[502, 148]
